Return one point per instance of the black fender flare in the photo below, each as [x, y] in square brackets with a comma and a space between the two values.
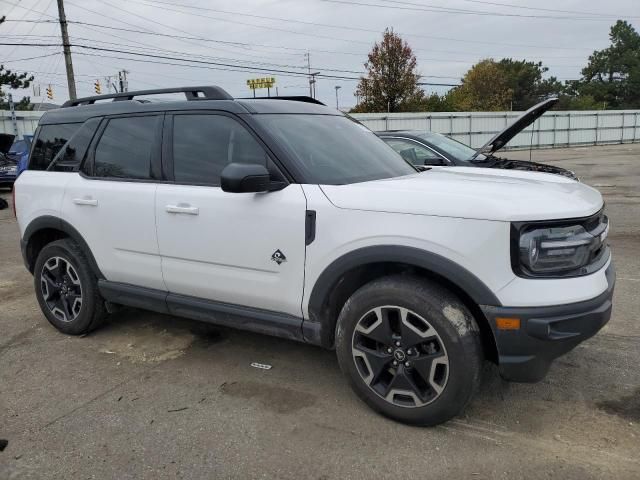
[55, 223]
[319, 330]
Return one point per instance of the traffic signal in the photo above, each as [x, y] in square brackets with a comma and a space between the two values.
[50, 92]
[97, 87]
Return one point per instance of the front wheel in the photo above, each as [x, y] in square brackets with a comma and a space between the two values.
[410, 349]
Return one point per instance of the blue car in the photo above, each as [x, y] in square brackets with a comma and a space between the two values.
[14, 156]
[20, 152]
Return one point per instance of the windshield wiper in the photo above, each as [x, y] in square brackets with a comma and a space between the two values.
[487, 159]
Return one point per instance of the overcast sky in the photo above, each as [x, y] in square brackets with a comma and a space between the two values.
[271, 38]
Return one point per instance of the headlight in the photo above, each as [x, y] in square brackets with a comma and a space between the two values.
[10, 169]
[559, 249]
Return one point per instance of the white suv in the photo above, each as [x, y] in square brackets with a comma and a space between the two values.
[285, 217]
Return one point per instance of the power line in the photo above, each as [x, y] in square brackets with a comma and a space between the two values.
[251, 45]
[350, 28]
[401, 5]
[237, 66]
[240, 67]
[522, 7]
[287, 66]
[301, 50]
[30, 58]
[162, 50]
[187, 63]
[208, 67]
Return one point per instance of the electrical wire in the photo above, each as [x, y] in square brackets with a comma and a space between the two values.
[401, 5]
[522, 7]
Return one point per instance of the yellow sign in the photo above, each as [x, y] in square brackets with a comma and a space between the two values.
[256, 83]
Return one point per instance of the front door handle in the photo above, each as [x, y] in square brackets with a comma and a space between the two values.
[86, 201]
[183, 208]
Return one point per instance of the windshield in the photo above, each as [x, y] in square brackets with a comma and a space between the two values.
[19, 146]
[334, 150]
[454, 148]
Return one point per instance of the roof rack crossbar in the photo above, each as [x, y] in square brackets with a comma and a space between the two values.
[191, 93]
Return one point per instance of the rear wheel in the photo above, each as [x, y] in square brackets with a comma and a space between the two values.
[67, 289]
[410, 349]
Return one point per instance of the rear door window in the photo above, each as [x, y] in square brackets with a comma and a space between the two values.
[49, 141]
[125, 148]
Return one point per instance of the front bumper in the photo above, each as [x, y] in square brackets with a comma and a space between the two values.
[545, 333]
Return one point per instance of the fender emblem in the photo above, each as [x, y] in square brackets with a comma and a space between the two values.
[278, 257]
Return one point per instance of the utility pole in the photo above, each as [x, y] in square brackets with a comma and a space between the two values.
[312, 76]
[312, 83]
[307, 56]
[124, 85]
[337, 87]
[12, 113]
[67, 51]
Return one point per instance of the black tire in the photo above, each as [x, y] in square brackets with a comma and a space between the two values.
[424, 305]
[81, 317]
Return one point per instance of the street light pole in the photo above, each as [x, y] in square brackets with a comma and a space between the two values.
[337, 87]
[71, 82]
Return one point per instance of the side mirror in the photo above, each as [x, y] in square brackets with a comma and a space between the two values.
[245, 178]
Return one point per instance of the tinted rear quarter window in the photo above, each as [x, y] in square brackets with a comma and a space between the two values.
[69, 158]
[125, 147]
[49, 141]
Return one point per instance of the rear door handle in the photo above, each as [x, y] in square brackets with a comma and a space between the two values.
[183, 208]
[86, 201]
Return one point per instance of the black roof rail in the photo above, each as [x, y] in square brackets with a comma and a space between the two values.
[294, 98]
[192, 93]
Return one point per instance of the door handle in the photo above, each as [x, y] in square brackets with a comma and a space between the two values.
[86, 201]
[183, 208]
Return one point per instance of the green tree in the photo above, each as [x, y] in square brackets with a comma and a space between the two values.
[524, 78]
[612, 76]
[484, 87]
[14, 81]
[571, 101]
[437, 103]
[391, 84]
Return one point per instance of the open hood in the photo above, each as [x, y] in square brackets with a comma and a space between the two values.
[6, 140]
[522, 122]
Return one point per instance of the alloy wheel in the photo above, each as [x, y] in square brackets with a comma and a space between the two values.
[61, 288]
[400, 356]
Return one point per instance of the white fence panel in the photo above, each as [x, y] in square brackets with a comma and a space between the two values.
[25, 121]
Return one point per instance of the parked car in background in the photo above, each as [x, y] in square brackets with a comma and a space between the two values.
[8, 166]
[19, 152]
[430, 148]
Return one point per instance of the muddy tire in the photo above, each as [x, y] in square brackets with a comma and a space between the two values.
[67, 288]
[410, 349]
